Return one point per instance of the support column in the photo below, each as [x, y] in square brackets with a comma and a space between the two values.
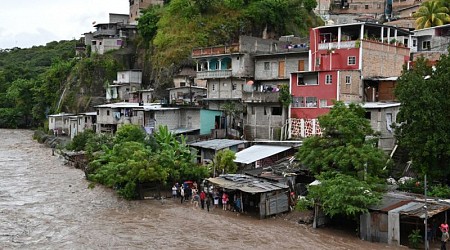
[339, 37]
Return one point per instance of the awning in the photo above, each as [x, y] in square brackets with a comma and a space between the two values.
[258, 152]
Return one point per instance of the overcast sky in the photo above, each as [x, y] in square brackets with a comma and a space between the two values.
[25, 23]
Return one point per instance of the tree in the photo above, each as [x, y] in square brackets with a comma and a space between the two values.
[346, 161]
[285, 96]
[128, 133]
[430, 14]
[423, 123]
[147, 25]
[224, 161]
[347, 144]
[344, 195]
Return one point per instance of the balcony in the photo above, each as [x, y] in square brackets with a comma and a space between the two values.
[260, 97]
[336, 45]
[218, 50]
[103, 33]
[214, 74]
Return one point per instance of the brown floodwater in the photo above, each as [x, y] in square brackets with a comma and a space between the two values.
[45, 204]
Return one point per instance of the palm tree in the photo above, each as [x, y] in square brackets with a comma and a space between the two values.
[430, 14]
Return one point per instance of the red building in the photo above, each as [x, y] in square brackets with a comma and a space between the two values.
[349, 62]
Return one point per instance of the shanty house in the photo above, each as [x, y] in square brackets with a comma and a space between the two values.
[393, 220]
[257, 195]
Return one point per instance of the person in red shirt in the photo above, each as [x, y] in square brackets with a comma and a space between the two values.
[202, 199]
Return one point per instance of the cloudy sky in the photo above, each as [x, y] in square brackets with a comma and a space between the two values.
[25, 23]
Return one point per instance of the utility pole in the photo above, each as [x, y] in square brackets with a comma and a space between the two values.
[426, 213]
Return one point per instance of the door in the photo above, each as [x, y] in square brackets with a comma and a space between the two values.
[301, 65]
[281, 66]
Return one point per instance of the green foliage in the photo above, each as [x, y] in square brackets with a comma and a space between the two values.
[344, 194]
[439, 190]
[80, 140]
[430, 14]
[147, 25]
[424, 120]
[128, 133]
[131, 160]
[224, 161]
[23, 100]
[126, 164]
[309, 4]
[285, 95]
[304, 204]
[415, 238]
[344, 146]
[412, 186]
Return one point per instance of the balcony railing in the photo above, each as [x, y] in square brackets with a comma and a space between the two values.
[105, 33]
[219, 50]
[335, 45]
[257, 96]
[214, 74]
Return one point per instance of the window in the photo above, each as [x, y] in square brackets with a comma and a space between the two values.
[266, 65]
[300, 80]
[253, 110]
[277, 110]
[414, 43]
[328, 79]
[426, 45]
[98, 112]
[182, 84]
[107, 112]
[311, 102]
[366, 6]
[298, 102]
[323, 103]
[348, 80]
[351, 60]
[378, 5]
[234, 86]
[265, 111]
[85, 119]
[213, 87]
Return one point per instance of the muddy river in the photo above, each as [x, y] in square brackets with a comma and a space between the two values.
[45, 204]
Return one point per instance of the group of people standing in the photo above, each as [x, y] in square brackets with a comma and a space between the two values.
[206, 197]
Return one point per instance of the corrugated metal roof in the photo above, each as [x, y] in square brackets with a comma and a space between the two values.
[246, 183]
[217, 144]
[410, 205]
[417, 209]
[258, 152]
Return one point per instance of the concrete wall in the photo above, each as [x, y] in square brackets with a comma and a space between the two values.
[291, 65]
[104, 45]
[118, 18]
[170, 118]
[189, 118]
[129, 77]
[262, 124]
[379, 122]
[207, 120]
[223, 88]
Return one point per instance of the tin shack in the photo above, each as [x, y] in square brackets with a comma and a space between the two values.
[258, 196]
